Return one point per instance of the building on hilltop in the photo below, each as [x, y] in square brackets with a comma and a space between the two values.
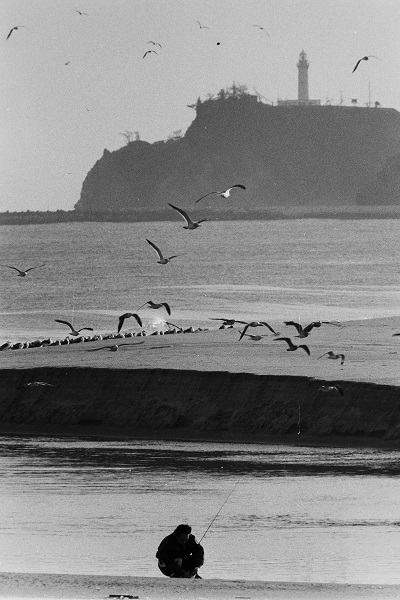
[303, 99]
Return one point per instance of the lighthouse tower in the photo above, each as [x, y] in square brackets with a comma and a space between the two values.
[303, 98]
[302, 66]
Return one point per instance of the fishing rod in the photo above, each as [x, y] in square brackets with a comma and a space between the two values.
[221, 507]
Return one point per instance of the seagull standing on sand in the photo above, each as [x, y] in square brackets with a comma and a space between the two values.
[73, 330]
[155, 306]
[256, 324]
[223, 194]
[126, 316]
[293, 347]
[189, 223]
[363, 58]
[328, 389]
[23, 273]
[15, 29]
[334, 356]
[163, 260]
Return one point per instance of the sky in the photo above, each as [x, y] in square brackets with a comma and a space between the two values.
[57, 118]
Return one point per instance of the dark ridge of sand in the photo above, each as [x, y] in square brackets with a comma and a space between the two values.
[209, 385]
[38, 585]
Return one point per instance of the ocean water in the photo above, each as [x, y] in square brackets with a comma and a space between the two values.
[273, 270]
[276, 513]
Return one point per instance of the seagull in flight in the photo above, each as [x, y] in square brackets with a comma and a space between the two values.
[254, 338]
[256, 324]
[189, 223]
[327, 389]
[149, 52]
[334, 356]
[163, 260]
[114, 347]
[263, 29]
[24, 273]
[293, 347]
[228, 321]
[15, 29]
[81, 13]
[170, 325]
[224, 194]
[202, 26]
[73, 330]
[154, 43]
[364, 58]
[155, 306]
[126, 316]
[305, 331]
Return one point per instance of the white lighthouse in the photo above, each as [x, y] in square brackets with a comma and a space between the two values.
[302, 66]
[303, 98]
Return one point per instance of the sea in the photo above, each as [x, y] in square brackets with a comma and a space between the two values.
[249, 270]
[265, 512]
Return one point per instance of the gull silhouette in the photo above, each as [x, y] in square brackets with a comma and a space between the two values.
[126, 316]
[73, 330]
[23, 273]
[114, 347]
[163, 260]
[328, 389]
[254, 338]
[364, 58]
[223, 194]
[15, 29]
[36, 384]
[228, 321]
[149, 52]
[293, 347]
[334, 356]
[202, 26]
[256, 324]
[154, 43]
[305, 331]
[81, 13]
[263, 29]
[155, 306]
[189, 223]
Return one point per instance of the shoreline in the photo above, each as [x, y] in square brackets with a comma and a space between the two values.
[208, 386]
[43, 585]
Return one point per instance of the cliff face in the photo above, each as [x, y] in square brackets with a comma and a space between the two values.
[384, 187]
[228, 405]
[286, 156]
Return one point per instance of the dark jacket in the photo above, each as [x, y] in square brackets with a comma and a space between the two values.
[170, 548]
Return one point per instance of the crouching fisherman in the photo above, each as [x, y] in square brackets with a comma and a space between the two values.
[179, 555]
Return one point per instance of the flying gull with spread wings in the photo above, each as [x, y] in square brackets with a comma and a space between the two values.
[190, 224]
[126, 316]
[156, 305]
[163, 260]
[23, 273]
[15, 29]
[363, 58]
[73, 330]
[305, 331]
[225, 193]
[256, 324]
[292, 347]
[333, 356]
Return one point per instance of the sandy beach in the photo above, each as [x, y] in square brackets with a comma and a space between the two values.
[27, 585]
[209, 385]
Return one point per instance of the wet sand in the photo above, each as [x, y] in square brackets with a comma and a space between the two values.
[26, 585]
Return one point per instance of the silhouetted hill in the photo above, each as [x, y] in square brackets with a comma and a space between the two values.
[384, 187]
[285, 156]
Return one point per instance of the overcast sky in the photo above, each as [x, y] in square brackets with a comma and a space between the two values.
[57, 118]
